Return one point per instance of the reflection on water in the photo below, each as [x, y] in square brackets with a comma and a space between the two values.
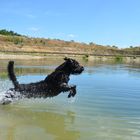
[20, 123]
[107, 104]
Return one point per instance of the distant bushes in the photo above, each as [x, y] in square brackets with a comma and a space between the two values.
[17, 40]
[11, 33]
[85, 57]
[118, 58]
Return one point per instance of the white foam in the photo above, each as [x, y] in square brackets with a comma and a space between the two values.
[9, 96]
[72, 99]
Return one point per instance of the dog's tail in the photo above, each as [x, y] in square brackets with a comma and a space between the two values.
[11, 74]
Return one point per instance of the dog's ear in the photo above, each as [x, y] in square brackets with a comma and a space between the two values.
[68, 59]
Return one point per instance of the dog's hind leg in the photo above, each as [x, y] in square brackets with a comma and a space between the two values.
[72, 88]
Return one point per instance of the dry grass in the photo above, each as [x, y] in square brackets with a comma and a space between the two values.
[41, 45]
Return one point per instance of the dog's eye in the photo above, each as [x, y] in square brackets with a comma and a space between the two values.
[76, 65]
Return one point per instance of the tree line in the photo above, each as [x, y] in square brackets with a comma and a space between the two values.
[10, 33]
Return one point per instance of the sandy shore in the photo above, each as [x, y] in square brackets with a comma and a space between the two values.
[26, 56]
[36, 55]
[20, 56]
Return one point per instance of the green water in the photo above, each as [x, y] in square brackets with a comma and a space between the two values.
[106, 107]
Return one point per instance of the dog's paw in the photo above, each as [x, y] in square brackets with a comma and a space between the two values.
[72, 92]
[69, 95]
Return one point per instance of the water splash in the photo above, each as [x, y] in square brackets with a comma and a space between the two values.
[72, 100]
[9, 97]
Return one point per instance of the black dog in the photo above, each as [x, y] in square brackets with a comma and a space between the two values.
[52, 85]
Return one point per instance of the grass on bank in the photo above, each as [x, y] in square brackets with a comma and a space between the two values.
[14, 42]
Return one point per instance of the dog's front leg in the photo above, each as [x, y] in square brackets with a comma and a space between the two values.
[72, 88]
[72, 91]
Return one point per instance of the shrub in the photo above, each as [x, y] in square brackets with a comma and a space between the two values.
[118, 58]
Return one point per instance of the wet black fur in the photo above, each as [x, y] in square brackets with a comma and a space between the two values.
[52, 85]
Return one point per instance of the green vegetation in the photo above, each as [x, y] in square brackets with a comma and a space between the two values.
[3, 75]
[131, 47]
[16, 40]
[114, 46]
[11, 33]
[85, 57]
[133, 50]
[118, 59]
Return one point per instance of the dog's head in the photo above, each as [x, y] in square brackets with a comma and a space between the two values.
[70, 66]
[73, 66]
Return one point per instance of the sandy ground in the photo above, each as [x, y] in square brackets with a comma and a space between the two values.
[35, 55]
[40, 56]
[20, 56]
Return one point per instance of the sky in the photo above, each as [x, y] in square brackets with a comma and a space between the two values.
[104, 22]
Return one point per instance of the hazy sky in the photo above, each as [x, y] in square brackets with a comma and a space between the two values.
[106, 22]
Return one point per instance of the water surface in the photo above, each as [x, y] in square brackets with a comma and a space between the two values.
[106, 107]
